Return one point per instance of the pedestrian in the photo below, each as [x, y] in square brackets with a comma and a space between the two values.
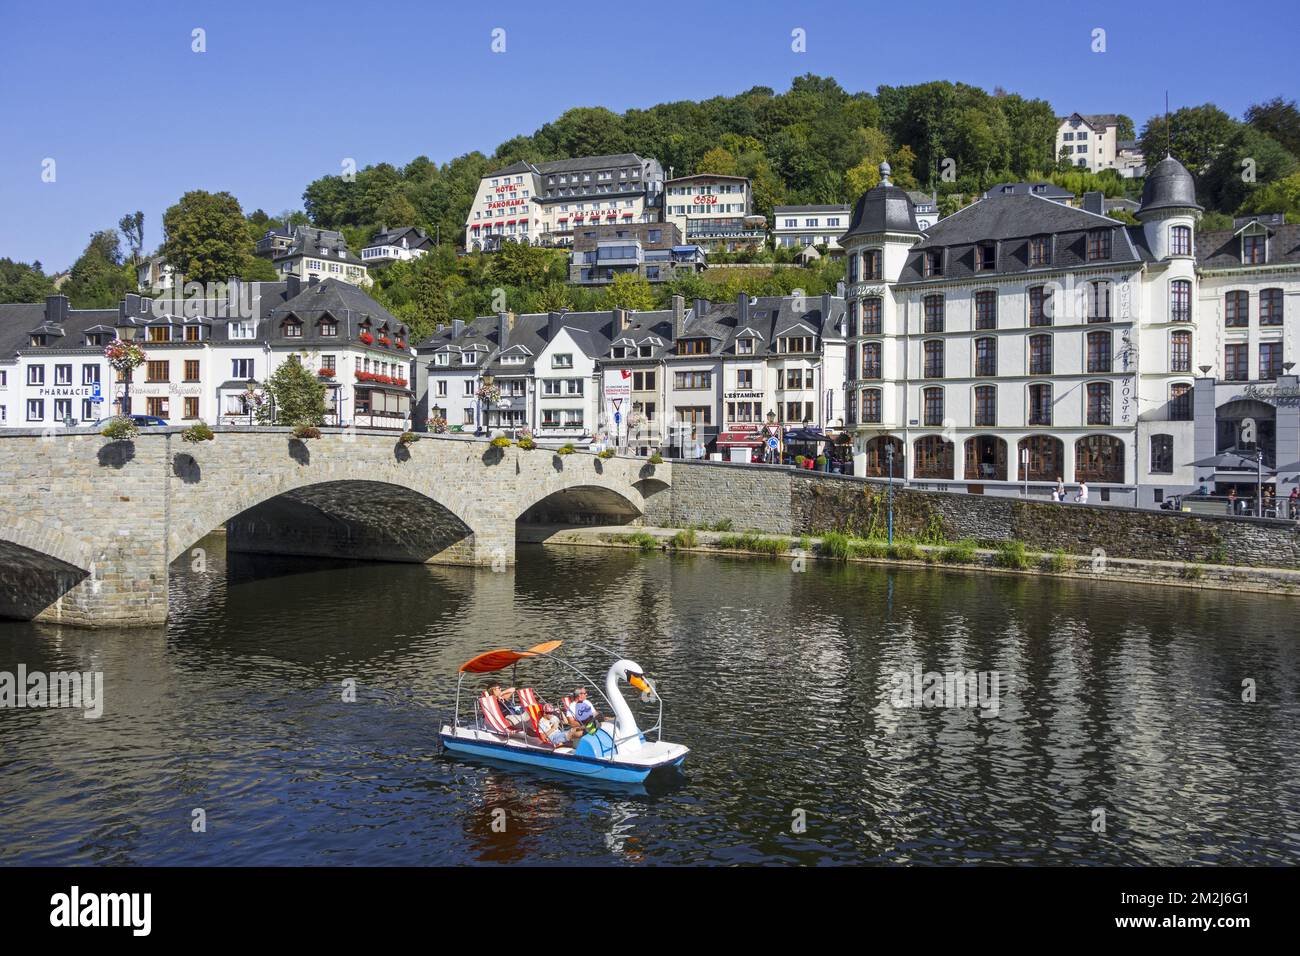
[1232, 501]
[1059, 493]
[1294, 498]
[1082, 496]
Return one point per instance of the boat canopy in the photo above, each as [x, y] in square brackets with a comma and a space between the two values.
[497, 660]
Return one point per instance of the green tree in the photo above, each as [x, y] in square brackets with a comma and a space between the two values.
[1279, 119]
[20, 282]
[1282, 195]
[132, 228]
[629, 291]
[718, 161]
[1197, 135]
[297, 396]
[99, 278]
[1248, 161]
[205, 238]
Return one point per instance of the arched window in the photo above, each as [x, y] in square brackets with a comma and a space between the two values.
[986, 458]
[853, 267]
[1270, 306]
[1162, 454]
[986, 310]
[1099, 358]
[1180, 402]
[1046, 459]
[932, 406]
[1040, 306]
[871, 406]
[871, 360]
[1098, 301]
[1099, 409]
[1180, 241]
[1040, 404]
[986, 406]
[1236, 310]
[933, 313]
[1180, 301]
[1180, 351]
[1099, 458]
[877, 450]
[871, 315]
[986, 356]
[933, 349]
[933, 458]
[1040, 354]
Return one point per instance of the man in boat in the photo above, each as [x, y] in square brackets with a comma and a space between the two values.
[512, 712]
[582, 713]
[550, 728]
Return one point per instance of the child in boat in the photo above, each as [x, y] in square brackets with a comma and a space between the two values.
[549, 725]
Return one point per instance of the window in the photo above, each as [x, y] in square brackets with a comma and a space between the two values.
[745, 346]
[932, 404]
[1040, 312]
[159, 333]
[1098, 244]
[1162, 454]
[1040, 355]
[1180, 402]
[932, 263]
[471, 358]
[853, 268]
[1040, 404]
[1236, 310]
[1180, 241]
[241, 369]
[794, 378]
[1098, 403]
[292, 329]
[986, 405]
[871, 315]
[643, 381]
[35, 410]
[327, 361]
[192, 407]
[1099, 458]
[157, 406]
[871, 268]
[933, 313]
[871, 406]
[62, 409]
[440, 388]
[1180, 301]
[442, 358]
[1270, 360]
[1040, 251]
[1252, 250]
[1099, 357]
[329, 328]
[1236, 363]
[933, 457]
[157, 371]
[744, 378]
[1180, 351]
[88, 413]
[986, 310]
[562, 360]
[191, 370]
[1270, 306]
[36, 375]
[871, 360]
[986, 257]
[986, 356]
[1098, 301]
[89, 375]
[1045, 459]
[934, 359]
[689, 380]
[193, 333]
[63, 375]
[693, 347]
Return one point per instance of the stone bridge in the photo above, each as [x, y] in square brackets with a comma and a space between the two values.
[89, 527]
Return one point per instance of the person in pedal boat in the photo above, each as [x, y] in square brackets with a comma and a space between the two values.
[582, 713]
[549, 725]
[512, 712]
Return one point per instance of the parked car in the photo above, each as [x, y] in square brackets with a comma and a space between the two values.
[143, 421]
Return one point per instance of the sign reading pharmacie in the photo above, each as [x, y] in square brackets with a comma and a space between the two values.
[66, 391]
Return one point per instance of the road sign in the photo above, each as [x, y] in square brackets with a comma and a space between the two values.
[95, 394]
[771, 443]
[618, 417]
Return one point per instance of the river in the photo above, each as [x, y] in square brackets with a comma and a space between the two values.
[1120, 734]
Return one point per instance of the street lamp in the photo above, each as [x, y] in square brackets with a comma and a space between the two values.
[485, 382]
[770, 452]
[249, 401]
[889, 458]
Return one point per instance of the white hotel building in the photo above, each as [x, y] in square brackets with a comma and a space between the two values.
[714, 211]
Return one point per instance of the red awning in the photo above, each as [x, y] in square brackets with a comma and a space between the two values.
[476, 227]
[627, 215]
[510, 222]
[740, 440]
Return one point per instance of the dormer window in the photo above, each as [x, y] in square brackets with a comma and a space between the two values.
[36, 341]
[329, 328]
[159, 333]
[468, 358]
[291, 328]
[986, 257]
[1098, 245]
[693, 347]
[1040, 251]
[745, 346]
[1253, 250]
[932, 263]
[442, 358]
[618, 352]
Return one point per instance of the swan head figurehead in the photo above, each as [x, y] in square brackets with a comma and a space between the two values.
[625, 723]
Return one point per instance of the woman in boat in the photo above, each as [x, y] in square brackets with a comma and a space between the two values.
[509, 709]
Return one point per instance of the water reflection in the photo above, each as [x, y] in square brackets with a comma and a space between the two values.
[1125, 699]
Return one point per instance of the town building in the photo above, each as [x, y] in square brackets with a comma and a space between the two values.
[543, 203]
[308, 252]
[1129, 160]
[808, 226]
[714, 211]
[1092, 141]
[652, 250]
[154, 275]
[396, 245]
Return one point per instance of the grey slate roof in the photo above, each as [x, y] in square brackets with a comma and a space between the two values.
[1011, 221]
[1222, 250]
[1040, 188]
[883, 208]
[1168, 185]
[415, 237]
[319, 243]
[342, 301]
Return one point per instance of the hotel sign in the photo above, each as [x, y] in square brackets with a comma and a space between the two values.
[705, 200]
[864, 289]
[1273, 394]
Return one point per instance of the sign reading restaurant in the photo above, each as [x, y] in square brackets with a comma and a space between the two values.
[1274, 394]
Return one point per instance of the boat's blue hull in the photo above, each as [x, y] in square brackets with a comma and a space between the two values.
[592, 768]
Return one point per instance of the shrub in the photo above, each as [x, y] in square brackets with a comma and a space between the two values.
[871, 548]
[820, 462]
[121, 428]
[303, 432]
[904, 551]
[606, 454]
[837, 545]
[799, 460]
[501, 441]
[805, 544]
[526, 443]
[1192, 572]
[644, 540]
[962, 552]
[1011, 554]
[408, 438]
[684, 539]
[723, 525]
[566, 449]
[1058, 562]
[656, 459]
[198, 432]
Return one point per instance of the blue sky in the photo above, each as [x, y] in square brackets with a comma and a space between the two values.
[133, 118]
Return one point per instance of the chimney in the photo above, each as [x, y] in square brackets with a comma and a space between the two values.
[623, 318]
[292, 286]
[742, 309]
[457, 328]
[56, 308]
[505, 322]
[701, 307]
[1095, 202]
[679, 315]
[130, 306]
[553, 323]
[826, 307]
[840, 289]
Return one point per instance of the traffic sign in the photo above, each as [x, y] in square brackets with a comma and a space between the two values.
[771, 443]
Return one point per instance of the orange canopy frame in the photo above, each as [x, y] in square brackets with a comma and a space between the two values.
[497, 660]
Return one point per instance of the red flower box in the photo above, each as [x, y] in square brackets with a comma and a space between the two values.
[366, 338]
[384, 341]
[326, 373]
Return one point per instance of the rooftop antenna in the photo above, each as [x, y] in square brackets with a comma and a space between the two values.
[1169, 145]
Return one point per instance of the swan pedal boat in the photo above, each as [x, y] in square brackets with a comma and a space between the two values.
[619, 751]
